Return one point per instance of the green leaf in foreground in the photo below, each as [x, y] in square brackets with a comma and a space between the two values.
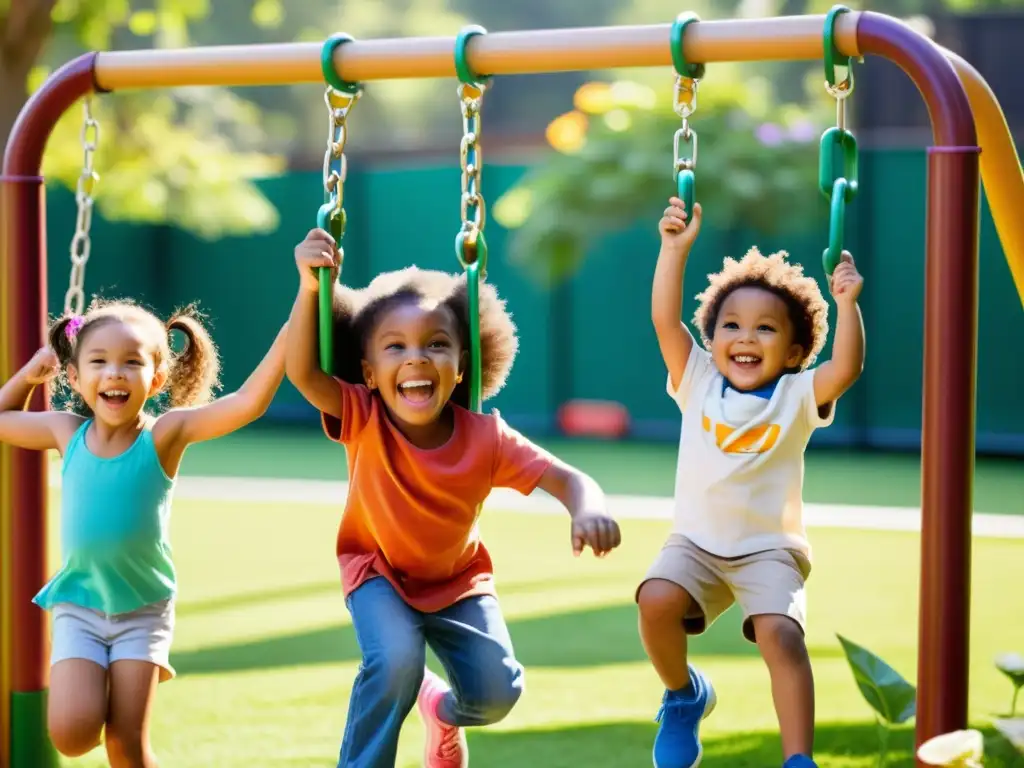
[888, 693]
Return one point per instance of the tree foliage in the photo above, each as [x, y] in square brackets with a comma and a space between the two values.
[613, 165]
[187, 157]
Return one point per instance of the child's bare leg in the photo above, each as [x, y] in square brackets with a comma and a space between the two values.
[689, 697]
[781, 642]
[663, 605]
[77, 705]
[132, 693]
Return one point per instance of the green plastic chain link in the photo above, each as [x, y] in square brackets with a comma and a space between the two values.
[685, 189]
[836, 225]
[685, 178]
[837, 142]
[331, 216]
[470, 244]
[837, 158]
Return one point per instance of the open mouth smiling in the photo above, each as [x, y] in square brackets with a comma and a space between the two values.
[115, 396]
[746, 361]
[417, 391]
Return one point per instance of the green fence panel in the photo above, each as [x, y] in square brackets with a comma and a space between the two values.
[591, 338]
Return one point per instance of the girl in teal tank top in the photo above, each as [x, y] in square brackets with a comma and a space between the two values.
[112, 600]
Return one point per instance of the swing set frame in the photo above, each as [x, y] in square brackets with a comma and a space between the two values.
[965, 117]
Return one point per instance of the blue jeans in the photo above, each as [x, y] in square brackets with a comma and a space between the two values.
[472, 642]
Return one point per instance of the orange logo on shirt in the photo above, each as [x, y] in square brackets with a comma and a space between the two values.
[757, 439]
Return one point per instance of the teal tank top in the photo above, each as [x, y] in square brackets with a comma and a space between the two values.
[115, 516]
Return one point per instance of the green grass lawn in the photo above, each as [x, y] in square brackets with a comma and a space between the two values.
[833, 476]
[266, 654]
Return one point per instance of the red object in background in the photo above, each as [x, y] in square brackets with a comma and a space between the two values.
[594, 418]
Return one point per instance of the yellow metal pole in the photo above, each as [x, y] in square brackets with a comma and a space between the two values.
[1001, 171]
[584, 48]
[498, 53]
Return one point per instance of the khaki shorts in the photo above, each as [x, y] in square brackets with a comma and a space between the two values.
[770, 582]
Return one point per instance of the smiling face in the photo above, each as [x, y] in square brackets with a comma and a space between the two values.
[753, 343]
[115, 371]
[414, 359]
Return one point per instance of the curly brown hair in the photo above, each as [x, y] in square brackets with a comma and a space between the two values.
[192, 373]
[357, 312]
[808, 310]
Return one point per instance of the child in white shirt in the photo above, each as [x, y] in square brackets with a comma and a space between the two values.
[750, 402]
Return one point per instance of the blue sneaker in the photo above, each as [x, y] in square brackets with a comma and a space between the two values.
[799, 761]
[677, 744]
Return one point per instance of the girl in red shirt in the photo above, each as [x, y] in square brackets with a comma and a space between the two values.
[413, 568]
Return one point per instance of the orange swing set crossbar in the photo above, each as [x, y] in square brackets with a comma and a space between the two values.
[961, 108]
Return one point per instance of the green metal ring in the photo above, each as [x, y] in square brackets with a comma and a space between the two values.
[683, 67]
[833, 58]
[331, 76]
[462, 69]
[832, 255]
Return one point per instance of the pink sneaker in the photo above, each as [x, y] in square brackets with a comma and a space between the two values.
[446, 744]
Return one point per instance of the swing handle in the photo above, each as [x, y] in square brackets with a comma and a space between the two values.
[470, 244]
[340, 96]
[837, 156]
[684, 143]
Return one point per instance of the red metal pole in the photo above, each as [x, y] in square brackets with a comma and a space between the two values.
[23, 473]
[947, 451]
[950, 344]
[24, 491]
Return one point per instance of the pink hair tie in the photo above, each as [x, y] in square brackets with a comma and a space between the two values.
[73, 327]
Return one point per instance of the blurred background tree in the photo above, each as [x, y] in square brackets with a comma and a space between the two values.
[613, 165]
[186, 158]
[758, 124]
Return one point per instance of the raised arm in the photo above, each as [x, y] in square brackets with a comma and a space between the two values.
[677, 239]
[227, 414]
[35, 431]
[834, 377]
[301, 361]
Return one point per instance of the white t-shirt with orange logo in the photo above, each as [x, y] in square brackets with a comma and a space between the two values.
[740, 473]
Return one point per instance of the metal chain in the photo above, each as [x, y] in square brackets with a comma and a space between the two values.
[339, 104]
[685, 104]
[81, 245]
[473, 208]
[841, 92]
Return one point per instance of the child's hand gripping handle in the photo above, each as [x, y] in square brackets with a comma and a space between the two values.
[679, 225]
[318, 258]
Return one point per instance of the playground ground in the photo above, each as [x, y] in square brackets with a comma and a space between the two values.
[265, 652]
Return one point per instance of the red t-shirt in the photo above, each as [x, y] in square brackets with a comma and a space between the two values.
[411, 513]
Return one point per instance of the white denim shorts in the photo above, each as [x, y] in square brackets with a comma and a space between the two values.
[141, 635]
